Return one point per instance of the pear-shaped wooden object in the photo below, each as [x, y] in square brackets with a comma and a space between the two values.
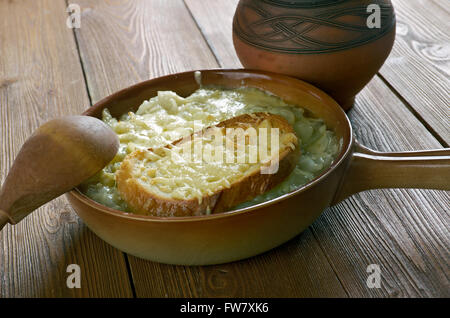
[60, 155]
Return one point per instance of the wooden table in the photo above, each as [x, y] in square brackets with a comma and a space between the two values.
[49, 70]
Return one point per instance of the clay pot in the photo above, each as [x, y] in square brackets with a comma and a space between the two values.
[333, 44]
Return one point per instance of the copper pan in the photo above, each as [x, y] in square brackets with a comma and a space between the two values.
[235, 235]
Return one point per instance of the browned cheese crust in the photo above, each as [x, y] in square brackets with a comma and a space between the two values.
[142, 201]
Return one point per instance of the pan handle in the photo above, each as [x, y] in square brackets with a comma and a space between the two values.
[369, 169]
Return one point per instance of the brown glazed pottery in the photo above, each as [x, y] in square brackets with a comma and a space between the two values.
[337, 45]
[235, 235]
[230, 236]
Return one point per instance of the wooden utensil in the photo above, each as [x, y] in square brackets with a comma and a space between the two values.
[60, 155]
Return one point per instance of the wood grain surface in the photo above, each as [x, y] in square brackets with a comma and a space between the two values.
[46, 71]
[41, 78]
[215, 19]
[419, 65]
[125, 42]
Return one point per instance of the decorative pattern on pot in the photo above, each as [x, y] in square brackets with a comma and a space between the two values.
[295, 37]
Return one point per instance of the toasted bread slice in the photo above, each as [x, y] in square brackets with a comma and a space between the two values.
[239, 161]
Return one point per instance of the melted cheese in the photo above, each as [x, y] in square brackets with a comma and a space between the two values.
[168, 117]
[203, 164]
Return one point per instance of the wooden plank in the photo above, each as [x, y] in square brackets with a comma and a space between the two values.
[443, 4]
[218, 36]
[404, 231]
[122, 43]
[419, 65]
[41, 78]
[141, 44]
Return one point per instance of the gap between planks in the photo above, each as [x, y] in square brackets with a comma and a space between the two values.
[415, 113]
